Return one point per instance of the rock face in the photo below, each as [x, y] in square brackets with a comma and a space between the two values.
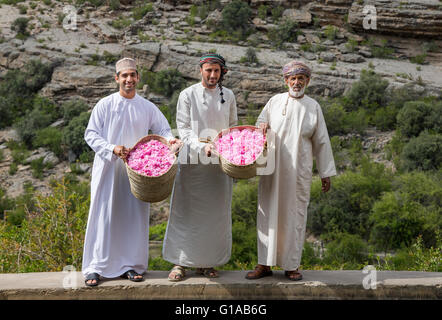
[413, 18]
[404, 18]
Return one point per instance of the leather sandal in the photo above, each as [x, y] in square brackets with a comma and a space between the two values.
[293, 275]
[207, 272]
[131, 274]
[92, 276]
[259, 272]
[177, 273]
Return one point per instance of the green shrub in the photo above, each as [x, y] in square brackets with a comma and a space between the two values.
[382, 51]
[37, 167]
[158, 231]
[51, 138]
[50, 238]
[346, 249]
[20, 25]
[419, 59]
[120, 23]
[262, 11]
[158, 263]
[330, 32]
[20, 206]
[356, 121]
[6, 203]
[351, 45]
[399, 96]
[114, 4]
[417, 116]
[385, 118]
[423, 152]
[244, 208]
[309, 257]
[413, 209]
[250, 56]
[164, 82]
[17, 93]
[416, 258]
[286, 31]
[235, 17]
[73, 108]
[334, 115]
[73, 134]
[346, 207]
[140, 11]
[369, 92]
[44, 112]
[277, 13]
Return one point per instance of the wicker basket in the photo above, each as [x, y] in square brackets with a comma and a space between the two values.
[152, 189]
[238, 171]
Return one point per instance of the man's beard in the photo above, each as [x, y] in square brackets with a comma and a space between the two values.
[296, 94]
[209, 84]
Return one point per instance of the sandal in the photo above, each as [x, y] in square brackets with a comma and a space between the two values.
[259, 272]
[294, 275]
[131, 274]
[92, 276]
[177, 273]
[207, 272]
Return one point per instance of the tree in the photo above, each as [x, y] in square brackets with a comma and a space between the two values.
[423, 152]
[417, 116]
[235, 17]
[367, 93]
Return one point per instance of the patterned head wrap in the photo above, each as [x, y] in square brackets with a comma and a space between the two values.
[216, 58]
[296, 67]
[125, 64]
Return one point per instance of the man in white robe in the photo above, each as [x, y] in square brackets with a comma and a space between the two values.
[283, 197]
[117, 235]
[199, 231]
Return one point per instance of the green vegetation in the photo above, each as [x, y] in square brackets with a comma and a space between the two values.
[141, 9]
[51, 234]
[286, 31]
[277, 13]
[330, 32]
[234, 25]
[44, 112]
[18, 92]
[419, 59]
[382, 51]
[262, 11]
[73, 134]
[20, 25]
[250, 57]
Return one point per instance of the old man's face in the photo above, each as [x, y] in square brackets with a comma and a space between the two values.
[297, 82]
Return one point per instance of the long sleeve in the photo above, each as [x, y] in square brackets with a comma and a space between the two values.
[183, 121]
[94, 132]
[322, 148]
